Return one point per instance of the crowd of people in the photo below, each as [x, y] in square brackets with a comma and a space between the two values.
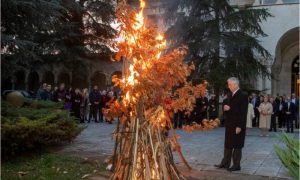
[83, 104]
[270, 113]
[205, 108]
[264, 111]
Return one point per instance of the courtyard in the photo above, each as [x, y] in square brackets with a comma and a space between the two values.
[201, 149]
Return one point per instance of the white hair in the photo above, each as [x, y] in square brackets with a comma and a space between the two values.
[234, 80]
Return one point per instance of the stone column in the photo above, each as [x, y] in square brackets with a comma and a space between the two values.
[26, 80]
[268, 82]
[13, 82]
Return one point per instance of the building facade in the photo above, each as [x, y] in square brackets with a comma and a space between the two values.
[282, 43]
[99, 73]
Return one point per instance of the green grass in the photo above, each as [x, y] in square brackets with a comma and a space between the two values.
[49, 167]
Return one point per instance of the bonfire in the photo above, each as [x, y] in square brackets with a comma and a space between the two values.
[154, 87]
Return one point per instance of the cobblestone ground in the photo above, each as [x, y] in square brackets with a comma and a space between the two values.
[201, 149]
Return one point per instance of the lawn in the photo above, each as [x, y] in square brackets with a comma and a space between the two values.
[51, 166]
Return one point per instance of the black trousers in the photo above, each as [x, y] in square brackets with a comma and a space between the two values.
[93, 112]
[178, 119]
[100, 114]
[255, 121]
[76, 110]
[235, 154]
[281, 119]
[289, 123]
[273, 123]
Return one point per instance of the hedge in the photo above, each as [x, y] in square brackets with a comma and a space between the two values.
[36, 125]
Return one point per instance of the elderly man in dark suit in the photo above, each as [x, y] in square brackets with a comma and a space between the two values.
[235, 126]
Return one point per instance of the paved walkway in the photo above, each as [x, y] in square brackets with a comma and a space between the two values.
[201, 149]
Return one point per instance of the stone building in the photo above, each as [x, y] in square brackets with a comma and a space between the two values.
[99, 73]
[282, 42]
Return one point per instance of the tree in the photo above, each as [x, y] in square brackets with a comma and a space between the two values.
[222, 39]
[35, 33]
[87, 32]
[22, 20]
[149, 99]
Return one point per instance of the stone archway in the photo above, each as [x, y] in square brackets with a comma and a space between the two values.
[64, 77]
[33, 81]
[6, 84]
[287, 50]
[99, 79]
[20, 80]
[80, 80]
[119, 75]
[48, 78]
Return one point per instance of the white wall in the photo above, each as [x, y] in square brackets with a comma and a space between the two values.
[286, 17]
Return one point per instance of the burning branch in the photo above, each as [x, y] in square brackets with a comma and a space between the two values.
[143, 147]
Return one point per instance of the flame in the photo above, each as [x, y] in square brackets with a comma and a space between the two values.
[139, 17]
[139, 62]
[160, 45]
[142, 4]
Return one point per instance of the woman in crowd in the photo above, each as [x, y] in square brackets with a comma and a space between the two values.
[85, 104]
[250, 115]
[77, 99]
[265, 110]
[68, 99]
[104, 100]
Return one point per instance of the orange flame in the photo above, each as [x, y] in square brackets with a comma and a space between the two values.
[139, 17]
[140, 62]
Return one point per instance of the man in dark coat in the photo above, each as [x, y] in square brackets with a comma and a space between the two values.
[200, 110]
[235, 126]
[289, 109]
[47, 94]
[95, 98]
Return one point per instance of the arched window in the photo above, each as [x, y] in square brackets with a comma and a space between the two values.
[64, 78]
[295, 76]
[20, 80]
[99, 79]
[48, 78]
[79, 80]
[33, 81]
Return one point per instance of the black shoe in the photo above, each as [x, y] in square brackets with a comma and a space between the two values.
[234, 168]
[221, 166]
[270, 130]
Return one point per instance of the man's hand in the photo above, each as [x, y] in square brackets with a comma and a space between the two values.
[237, 130]
[226, 108]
